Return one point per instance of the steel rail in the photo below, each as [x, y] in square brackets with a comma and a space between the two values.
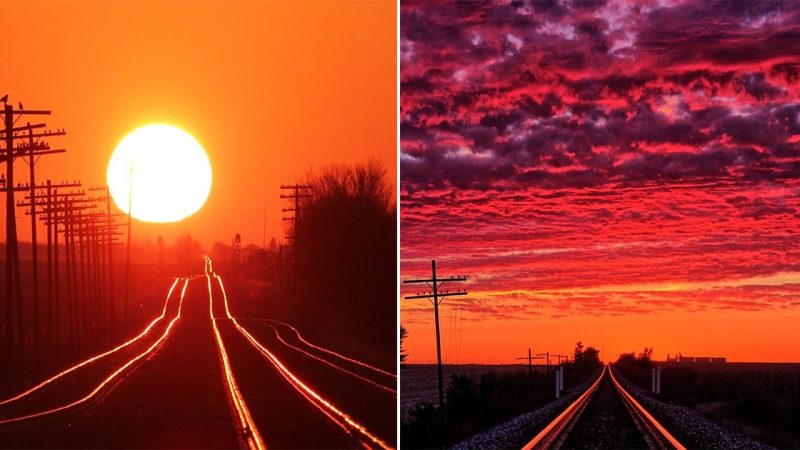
[557, 430]
[249, 429]
[654, 428]
[345, 422]
[150, 350]
[127, 343]
[569, 416]
[335, 366]
[331, 352]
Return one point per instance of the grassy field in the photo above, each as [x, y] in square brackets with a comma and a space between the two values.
[761, 400]
[477, 397]
[419, 384]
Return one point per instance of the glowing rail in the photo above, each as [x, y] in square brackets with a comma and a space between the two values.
[250, 431]
[657, 430]
[552, 431]
[556, 429]
[347, 424]
[331, 352]
[339, 368]
[96, 357]
[111, 377]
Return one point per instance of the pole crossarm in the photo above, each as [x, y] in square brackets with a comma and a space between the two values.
[24, 128]
[438, 294]
[37, 135]
[436, 297]
[431, 280]
[30, 112]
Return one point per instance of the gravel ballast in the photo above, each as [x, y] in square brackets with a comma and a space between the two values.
[685, 424]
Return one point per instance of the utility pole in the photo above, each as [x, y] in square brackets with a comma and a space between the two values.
[546, 355]
[57, 210]
[128, 253]
[436, 297]
[12, 266]
[34, 149]
[34, 208]
[12, 272]
[111, 230]
[297, 192]
[530, 359]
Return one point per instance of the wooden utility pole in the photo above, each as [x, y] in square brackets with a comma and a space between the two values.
[436, 296]
[297, 192]
[530, 359]
[111, 226]
[12, 267]
[34, 208]
[546, 355]
[32, 148]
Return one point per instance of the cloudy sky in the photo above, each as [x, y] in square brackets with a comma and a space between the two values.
[625, 173]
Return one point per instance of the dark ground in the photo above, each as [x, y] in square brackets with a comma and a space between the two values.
[177, 399]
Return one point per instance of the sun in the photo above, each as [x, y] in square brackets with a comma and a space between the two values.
[167, 171]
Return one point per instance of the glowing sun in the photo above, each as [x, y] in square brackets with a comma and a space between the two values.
[167, 171]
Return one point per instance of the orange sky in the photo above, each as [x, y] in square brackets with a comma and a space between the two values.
[468, 338]
[268, 88]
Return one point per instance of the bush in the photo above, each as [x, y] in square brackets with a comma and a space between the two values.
[476, 403]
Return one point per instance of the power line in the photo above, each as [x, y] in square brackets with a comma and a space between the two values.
[436, 296]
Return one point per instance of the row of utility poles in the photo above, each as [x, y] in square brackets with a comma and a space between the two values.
[80, 236]
[436, 296]
[295, 193]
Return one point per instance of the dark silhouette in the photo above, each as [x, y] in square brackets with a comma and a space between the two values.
[346, 258]
[476, 403]
[403, 335]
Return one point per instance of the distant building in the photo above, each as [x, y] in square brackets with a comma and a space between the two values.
[680, 359]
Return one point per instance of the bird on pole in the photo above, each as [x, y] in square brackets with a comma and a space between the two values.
[4, 99]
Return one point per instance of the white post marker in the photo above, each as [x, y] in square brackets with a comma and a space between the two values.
[653, 381]
[558, 391]
[658, 380]
[561, 378]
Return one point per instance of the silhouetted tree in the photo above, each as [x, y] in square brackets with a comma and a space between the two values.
[273, 246]
[586, 357]
[643, 360]
[347, 255]
[591, 357]
[645, 357]
[579, 352]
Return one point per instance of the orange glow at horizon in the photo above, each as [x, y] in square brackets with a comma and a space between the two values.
[469, 338]
[270, 90]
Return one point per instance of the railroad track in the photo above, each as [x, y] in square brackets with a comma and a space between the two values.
[73, 399]
[605, 416]
[372, 376]
[269, 403]
[349, 426]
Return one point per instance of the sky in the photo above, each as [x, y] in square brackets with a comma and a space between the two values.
[621, 173]
[269, 89]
